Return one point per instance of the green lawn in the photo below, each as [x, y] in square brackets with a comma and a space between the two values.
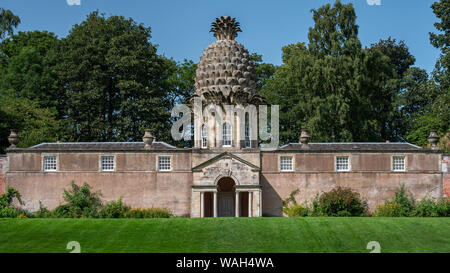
[226, 234]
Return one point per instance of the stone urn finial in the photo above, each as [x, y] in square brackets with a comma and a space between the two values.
[304, 138]
[433, 138]
[148, 139]
[13, 138]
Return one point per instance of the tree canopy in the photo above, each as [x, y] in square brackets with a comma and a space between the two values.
[106, 81]
[341, 91]
[8, 21]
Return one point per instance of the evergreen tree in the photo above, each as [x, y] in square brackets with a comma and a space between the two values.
[115, 83]
[436, 114]
[333, 87]
[28, 67]
[8, 21]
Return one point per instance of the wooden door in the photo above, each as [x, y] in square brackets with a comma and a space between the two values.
[226, 204]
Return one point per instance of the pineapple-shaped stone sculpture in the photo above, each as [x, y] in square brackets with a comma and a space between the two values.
[225, 73]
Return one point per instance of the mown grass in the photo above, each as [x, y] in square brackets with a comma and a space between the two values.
[314, 234]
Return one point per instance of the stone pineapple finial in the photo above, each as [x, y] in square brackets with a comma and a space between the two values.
[304, 138]
[13, 138]
[433, 139]
[148, 139]
[225, 73]
[225, 28]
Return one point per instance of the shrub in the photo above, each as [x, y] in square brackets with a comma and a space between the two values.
[296, 211]
[339, 202]
[291, 208]
[62, 211]
[148, 213]
[6, 209]
[406, 202]
[7, 197]
[430, 208]
[43, 212]
[9, 212]
[81, 202]
[22, 216]
[425, 208]
[390, 209]
[443, 207]
[402, 205]
[114, 209]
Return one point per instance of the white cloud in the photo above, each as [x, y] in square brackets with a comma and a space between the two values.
[73, 2]
[374, 2]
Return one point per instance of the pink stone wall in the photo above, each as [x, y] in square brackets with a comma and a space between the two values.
[370, 175]
[3, 174]
[135, 180]
[446, 175]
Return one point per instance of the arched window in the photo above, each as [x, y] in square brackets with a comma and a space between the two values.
[247, 131]
[204, 136]
[226, 135]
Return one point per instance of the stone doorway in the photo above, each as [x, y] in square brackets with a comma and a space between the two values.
[225, 194]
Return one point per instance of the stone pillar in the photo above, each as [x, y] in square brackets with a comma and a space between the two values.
[211, 132]
[237, 126]
[236, 206]
[202, 204]
[215, 204]
[260, 203]
[257, 203]
[249, 204]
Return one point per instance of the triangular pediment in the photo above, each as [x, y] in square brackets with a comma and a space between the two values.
[224, 155]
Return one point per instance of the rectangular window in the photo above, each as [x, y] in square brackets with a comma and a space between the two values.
[107, 163]
[286, 163]
[247, 131]
[226, 135]
[164, 163]
[342, 163]
[398, 163]
[50, 163]
[204, 136]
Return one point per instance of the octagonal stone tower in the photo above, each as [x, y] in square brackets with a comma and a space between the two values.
[225, 73]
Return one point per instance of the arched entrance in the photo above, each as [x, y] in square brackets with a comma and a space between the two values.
[225, 196]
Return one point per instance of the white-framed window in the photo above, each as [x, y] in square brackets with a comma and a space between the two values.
[107, 163]
[204, 137]
[226, 135]
[342, 163]
[286, 163]
[247, 131]
[164, 163]
[398, 163]
[50, 164]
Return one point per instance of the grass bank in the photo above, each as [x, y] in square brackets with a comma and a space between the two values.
[313, 234]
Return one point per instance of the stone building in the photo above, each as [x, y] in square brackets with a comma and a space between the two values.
[226, 173]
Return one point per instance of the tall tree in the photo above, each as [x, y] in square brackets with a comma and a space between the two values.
[35, 124]
[388, 102]
[115, 83]
[442, 40]
[28, 67]
[264, 71]
[182, 82]
[8, 21]
[400, 57]
[436, 114]
[30, 96]
[332, 86]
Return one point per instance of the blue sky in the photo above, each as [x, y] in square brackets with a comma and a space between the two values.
[181, 27]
